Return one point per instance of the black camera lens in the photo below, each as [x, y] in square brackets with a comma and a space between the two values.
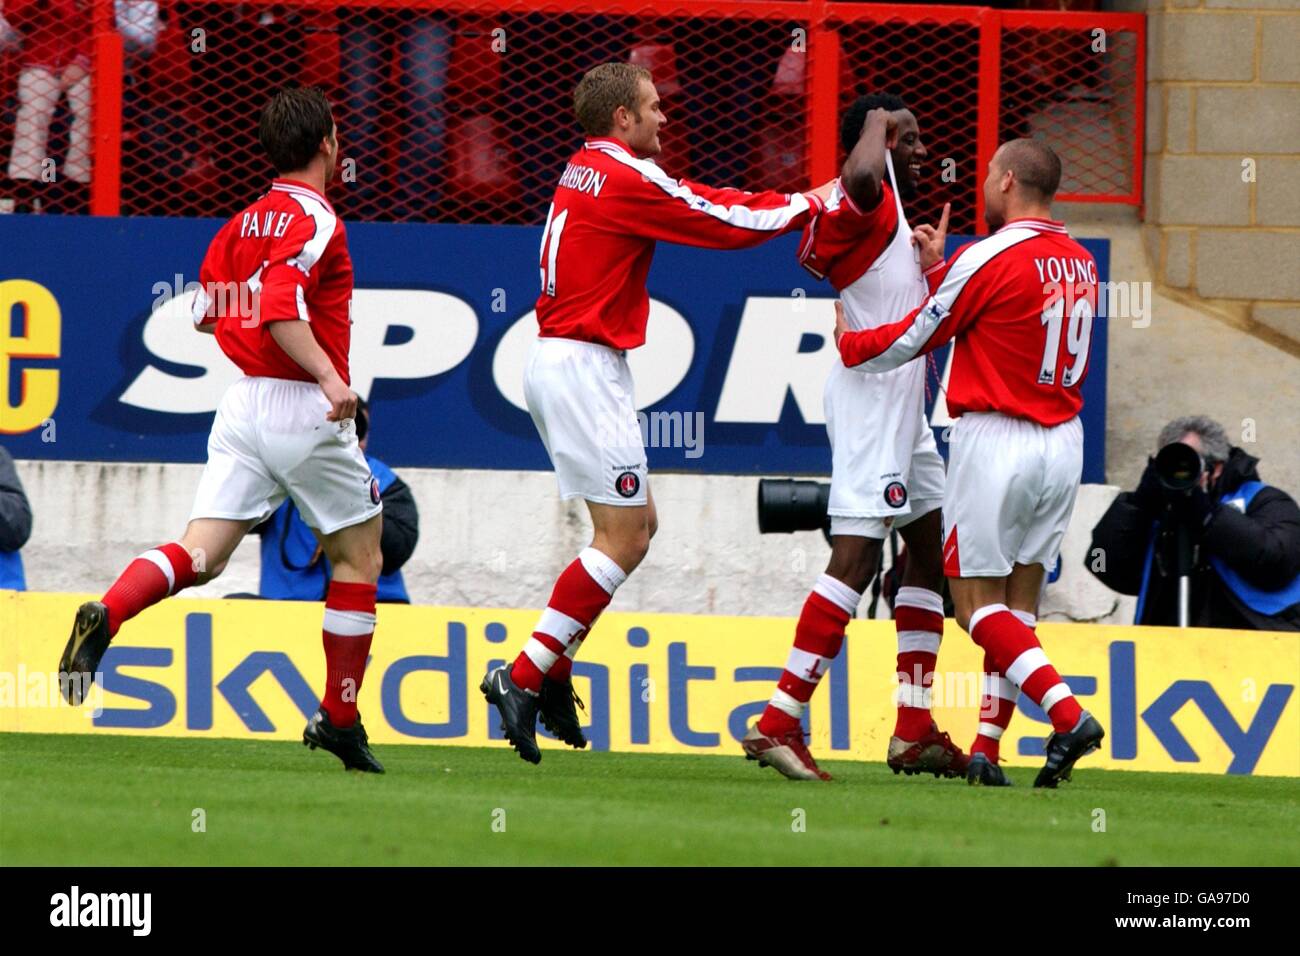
[1179, 467]
[786, 505]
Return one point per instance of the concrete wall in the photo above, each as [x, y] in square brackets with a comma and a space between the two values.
[495, 538]
[1223, 154]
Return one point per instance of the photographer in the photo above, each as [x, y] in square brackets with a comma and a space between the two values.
[15, 525]
[1239, 537]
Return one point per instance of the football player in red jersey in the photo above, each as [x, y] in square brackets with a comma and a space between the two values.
[612, 203]
[276, 290]
[1020, 305]
[886, 471]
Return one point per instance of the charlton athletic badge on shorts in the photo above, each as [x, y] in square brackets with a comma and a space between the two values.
[628, 484]
[374, 490]
[895, 494]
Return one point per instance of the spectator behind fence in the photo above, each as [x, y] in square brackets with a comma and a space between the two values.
[15, 525]
[1245, 537]
[54, 59]
[293, 566]
[417, 108]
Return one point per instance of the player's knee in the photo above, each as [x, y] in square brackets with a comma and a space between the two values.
[206, 574]
[638, 544]
[856, 570]
[630, 548]
[363, 563]
[373, 565]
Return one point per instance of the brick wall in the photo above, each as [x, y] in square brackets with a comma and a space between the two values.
[1223, 153]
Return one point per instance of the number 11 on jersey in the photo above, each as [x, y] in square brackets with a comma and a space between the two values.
[550, 250]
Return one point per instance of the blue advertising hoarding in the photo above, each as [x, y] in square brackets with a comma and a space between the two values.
[98, 360]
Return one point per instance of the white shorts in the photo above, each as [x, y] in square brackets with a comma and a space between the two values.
[270, 439]
[886, 470]
[1011, 489]
[580, 397]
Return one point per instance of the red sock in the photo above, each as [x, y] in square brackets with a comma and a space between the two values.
[148, 579]
[918, 618]
[1014, 651]
[997, 702]
[583, 590]
[348, 630]
[818, 637]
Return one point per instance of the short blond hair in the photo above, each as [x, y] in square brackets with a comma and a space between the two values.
[602, 90]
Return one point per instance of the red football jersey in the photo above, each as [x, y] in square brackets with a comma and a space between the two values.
[1020, 304]
[283, 258]
[609, 210]
[841, 242]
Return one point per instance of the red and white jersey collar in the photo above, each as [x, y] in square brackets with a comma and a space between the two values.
[1033, 222]
[295, 186]
[606, 142]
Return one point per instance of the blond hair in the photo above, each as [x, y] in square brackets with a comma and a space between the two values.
[602, 90]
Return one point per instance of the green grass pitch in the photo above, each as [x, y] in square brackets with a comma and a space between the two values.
[122, 800]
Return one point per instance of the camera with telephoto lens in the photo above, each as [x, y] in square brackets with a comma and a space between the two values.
[1179, 467]
[786, 505]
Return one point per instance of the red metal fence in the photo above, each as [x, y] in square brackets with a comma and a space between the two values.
[460, 111]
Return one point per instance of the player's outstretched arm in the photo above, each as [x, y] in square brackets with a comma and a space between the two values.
[295, 338]
[659, 207]
[960, 286]
[864, 169]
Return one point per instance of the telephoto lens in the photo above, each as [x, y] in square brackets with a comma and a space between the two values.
[786, 505]
[1179, 467]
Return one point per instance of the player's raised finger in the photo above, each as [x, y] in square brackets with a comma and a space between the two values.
[943, 220]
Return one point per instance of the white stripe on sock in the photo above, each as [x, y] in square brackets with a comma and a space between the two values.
[922, 598]
[154, 556]
[559, 626]
[1027, 619]
[1054, 696]
[926, 641]
[1026, 664]
[998, 686]
[981, 614]
[806, 666]
[603, 569]
[912, 695]
[838, 593]
[991, 731]
[349, 623]
[541, 655]
[788, 705]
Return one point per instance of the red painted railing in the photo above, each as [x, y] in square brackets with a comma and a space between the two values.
[461, 110]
